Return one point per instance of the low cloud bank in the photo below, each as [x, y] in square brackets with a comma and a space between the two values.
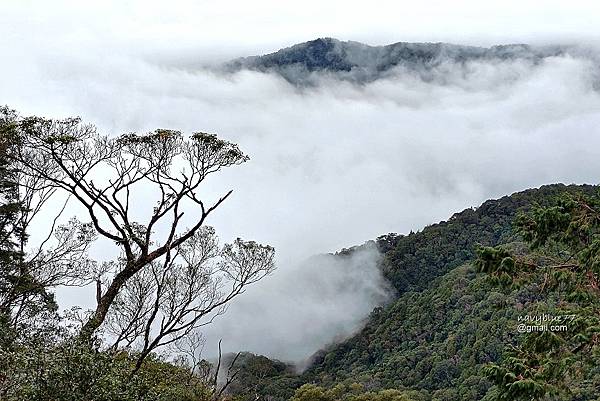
[298, 310]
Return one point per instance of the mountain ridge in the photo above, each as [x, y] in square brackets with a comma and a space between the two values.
[356, 61]
[427, 339]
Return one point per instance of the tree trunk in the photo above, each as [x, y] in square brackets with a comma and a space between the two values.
[105, 301]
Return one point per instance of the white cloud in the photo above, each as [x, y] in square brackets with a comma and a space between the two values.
[311, 304]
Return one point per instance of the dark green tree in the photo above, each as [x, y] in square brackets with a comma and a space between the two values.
[564, 265]
[22, 296]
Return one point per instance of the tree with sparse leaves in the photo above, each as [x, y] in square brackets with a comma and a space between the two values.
[171, 276]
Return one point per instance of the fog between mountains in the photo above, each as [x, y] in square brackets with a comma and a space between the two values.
[335, 164]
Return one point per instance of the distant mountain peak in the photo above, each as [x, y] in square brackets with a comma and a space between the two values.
[360, 62]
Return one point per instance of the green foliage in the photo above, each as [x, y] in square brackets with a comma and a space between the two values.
[10, 206]
[564, 239]
[444, 327]
[449, 323]
[352, 392]
[22, 297]
[497, 262]
[436, 341]
[413, 261]
[71, 371]
[260, 377]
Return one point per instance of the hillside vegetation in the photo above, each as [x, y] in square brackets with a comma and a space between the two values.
[448, 322]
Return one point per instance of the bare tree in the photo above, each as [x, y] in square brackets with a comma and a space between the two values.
[189, 351]
[216, 378]
[229, 375]
[184, 291]
[161, 287]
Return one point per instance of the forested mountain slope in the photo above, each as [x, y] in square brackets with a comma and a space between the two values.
[447, 321]
[359, 62]
[436, 341]
[411, 262]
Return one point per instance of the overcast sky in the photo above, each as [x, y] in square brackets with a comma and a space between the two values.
[230, 26]
[332, 166]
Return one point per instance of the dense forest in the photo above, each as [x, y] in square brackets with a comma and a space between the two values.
[465, 322]
[450, 321]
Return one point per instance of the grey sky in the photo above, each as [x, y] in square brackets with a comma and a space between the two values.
[254, 26]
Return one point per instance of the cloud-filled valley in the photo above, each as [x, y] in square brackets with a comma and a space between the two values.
[336, 163]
